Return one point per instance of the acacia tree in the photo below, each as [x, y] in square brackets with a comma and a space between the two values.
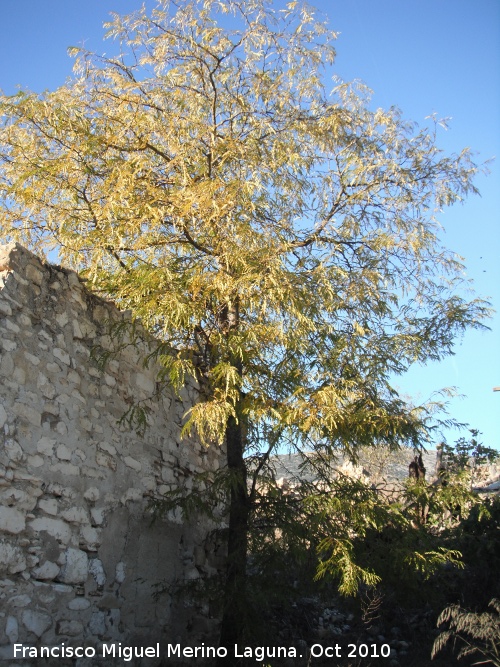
[279, 240]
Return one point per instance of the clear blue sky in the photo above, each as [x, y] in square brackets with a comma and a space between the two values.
[425, 56]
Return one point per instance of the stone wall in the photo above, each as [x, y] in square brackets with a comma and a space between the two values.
[79, 556]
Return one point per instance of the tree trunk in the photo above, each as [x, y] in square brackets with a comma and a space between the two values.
[233, 617]
[234, 609]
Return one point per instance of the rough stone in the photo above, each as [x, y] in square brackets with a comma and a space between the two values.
[107, 447]
[97, 571]
[98, 514]
[11, 520]
[55, 527]
[49, 506]
[35, 461]
[12, 629]
[52, 367]
[61, 355]
[61, 428]
[70, 628]
[46, 446]
[120, 573]
[8, 345]
[132, 463]
[132, 495]
[78, 604]
[63, 453]
[21, 500]
[20, 601]
[75, 515]
[14, 451]
[105, 460]
[97, 624]
[34, 361]
[19, 376]
[12, 559]
[34, 274]
[47, 571]
[75, 482]
[3, 416]
[31, 415]
[5, 308]
[36, 621]
[92, 494]
[75, 568]
[6, 365]
[90, 537]
[68, 469]
[145, 383]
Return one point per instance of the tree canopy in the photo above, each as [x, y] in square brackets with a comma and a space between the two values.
[207, 168]
[280, 240]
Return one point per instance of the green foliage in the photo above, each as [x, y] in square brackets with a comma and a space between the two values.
[477, 536]
[400, 539]
[466, 455]
[474, 632]
[384, 541]
[363, 540]
[360, 535]
[341, 564]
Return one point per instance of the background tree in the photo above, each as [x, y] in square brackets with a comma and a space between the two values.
[278, 240]
[476, 632]
[466, 456]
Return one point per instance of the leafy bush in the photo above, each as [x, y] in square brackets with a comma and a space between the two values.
[475, 632]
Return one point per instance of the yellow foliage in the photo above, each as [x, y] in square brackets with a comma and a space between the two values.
[279, 237]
